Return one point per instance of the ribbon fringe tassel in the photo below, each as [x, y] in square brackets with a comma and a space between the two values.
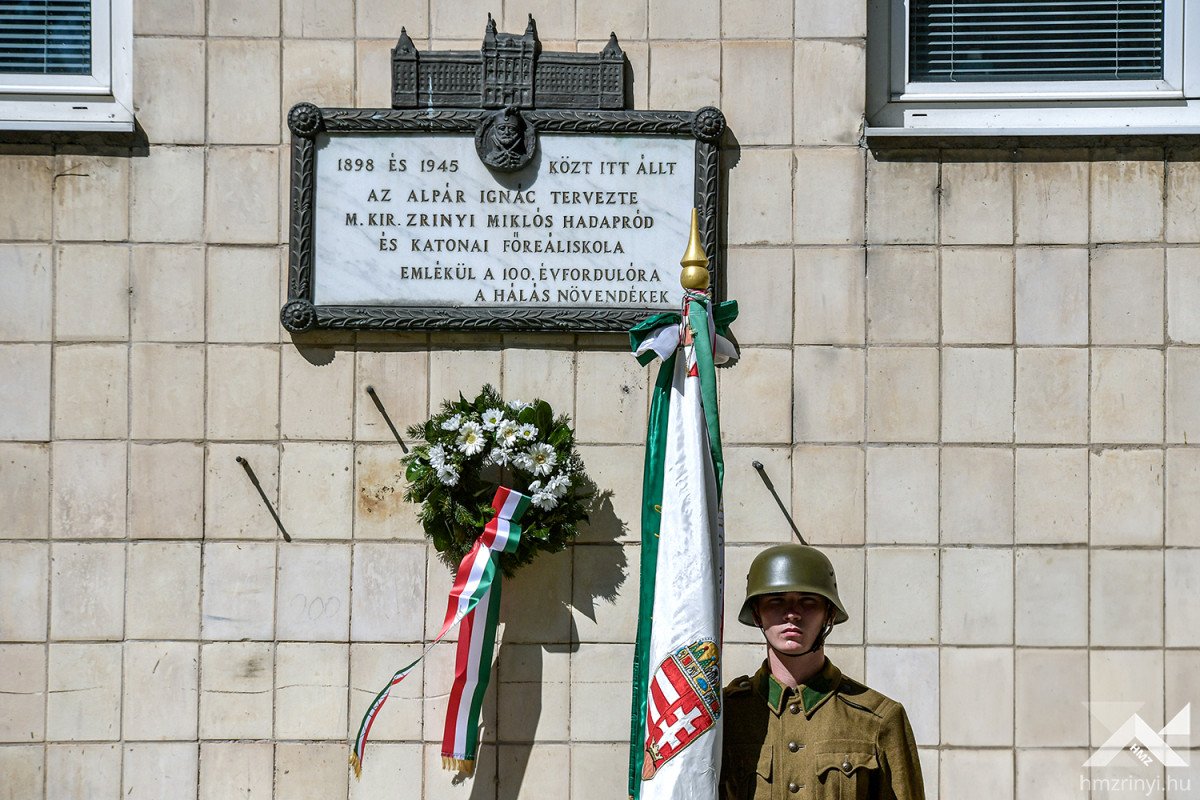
[463, 765]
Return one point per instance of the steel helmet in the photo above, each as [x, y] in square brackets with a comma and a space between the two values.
[791, 568]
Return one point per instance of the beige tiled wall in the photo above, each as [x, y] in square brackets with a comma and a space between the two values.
[971, 374]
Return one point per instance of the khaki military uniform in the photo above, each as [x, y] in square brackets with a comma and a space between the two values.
[832, 739]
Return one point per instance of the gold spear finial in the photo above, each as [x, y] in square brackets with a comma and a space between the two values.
[694, 262]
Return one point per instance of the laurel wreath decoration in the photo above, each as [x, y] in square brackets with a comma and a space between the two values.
[473, 446]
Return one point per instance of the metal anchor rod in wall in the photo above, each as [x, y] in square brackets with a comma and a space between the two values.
[254, 479]
[386, 418]
[762, 473]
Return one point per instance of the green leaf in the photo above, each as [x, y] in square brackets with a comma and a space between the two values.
[441, 540]
[527, 416]
[483, 401]
[544, 417]
[560, 436]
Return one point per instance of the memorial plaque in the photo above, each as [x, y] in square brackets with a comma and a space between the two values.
[509, 215]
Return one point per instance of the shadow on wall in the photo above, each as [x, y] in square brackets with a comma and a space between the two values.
[320, 355]
[731, 156]
[538, 627]
[131, 144]
[603, 529]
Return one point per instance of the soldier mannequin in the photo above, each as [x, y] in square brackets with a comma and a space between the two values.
[798, 727]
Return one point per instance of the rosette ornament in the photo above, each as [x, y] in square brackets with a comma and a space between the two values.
[304, 120]
[708, 124]
[298, 316]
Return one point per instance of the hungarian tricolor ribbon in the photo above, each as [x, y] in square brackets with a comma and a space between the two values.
[475, 603]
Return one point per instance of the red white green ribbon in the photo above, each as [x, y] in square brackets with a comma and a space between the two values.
[475, 602]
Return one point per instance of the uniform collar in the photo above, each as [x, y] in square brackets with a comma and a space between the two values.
[813, 693]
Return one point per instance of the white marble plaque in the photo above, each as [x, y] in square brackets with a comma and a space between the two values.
[418, 220]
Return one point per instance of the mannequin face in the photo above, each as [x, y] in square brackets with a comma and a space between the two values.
[791, 621]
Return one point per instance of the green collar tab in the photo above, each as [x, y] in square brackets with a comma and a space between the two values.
[813, 693]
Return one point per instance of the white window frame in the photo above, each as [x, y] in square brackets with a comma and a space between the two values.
[899, 107]
[101, 101]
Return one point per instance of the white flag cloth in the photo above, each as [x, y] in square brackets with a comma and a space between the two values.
[676, 730]
[687, 611]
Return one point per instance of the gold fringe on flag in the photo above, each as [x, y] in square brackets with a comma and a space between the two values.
[463, 765]
[356, 765]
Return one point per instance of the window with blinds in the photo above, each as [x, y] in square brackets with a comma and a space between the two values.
[46, 37]
[1076, 40]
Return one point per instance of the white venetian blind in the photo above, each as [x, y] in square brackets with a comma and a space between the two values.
[994, 40]
[46, 37]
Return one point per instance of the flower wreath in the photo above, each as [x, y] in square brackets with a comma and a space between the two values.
[473, 446]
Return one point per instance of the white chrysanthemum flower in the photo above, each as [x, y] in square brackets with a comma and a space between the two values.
[557, 485]
[544, 501]
[437, 456]
[543, 458]
[527, 431]
[492, 417]
[448, 475]
[500, 456]
[453, 423]
[507, 432]
[517, 405]
[522, 461]
[470, 438]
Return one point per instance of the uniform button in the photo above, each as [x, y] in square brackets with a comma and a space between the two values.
[795, 709]
[793, 746]
[793, 787]
[846, 763]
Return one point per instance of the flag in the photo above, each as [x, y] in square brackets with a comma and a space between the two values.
[675, 728]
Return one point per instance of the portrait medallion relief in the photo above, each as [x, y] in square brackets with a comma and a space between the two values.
[505, 141]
